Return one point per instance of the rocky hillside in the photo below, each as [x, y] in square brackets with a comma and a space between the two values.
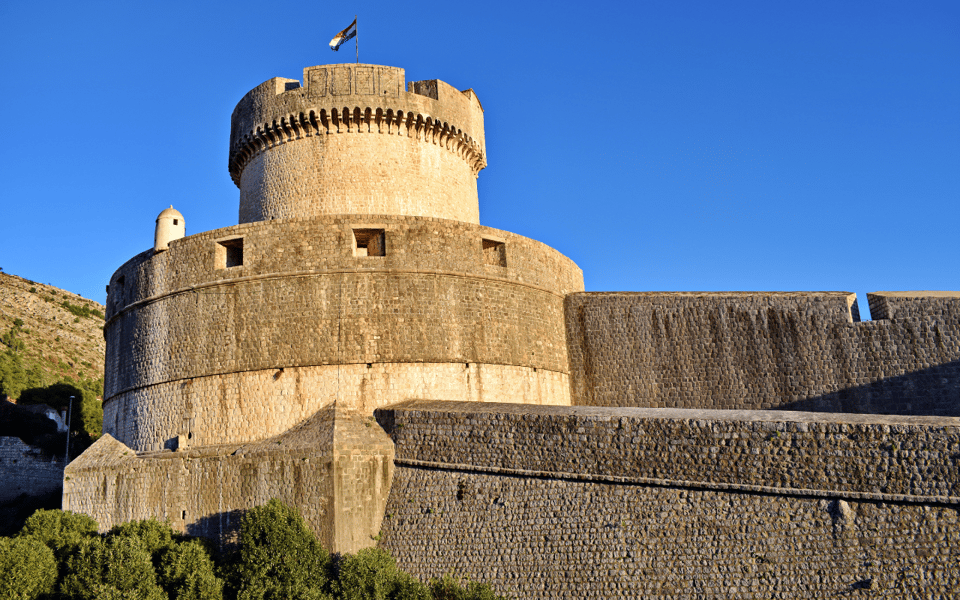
[58, 335]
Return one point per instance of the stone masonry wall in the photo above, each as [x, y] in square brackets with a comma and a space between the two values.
[27, 470]
[334, 467]
[351, 140]
[584, 502]
[251, 405]
[198, 347]
[789, 351]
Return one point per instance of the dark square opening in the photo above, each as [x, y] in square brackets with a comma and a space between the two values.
[494, 253]
[369, 242]
[229, 253]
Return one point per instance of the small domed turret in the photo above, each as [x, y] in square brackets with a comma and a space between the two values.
[169, 227]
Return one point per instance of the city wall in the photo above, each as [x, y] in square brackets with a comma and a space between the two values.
[766, 350]
[27, 470]
[335, 468]
[587, 502]
[211, 353]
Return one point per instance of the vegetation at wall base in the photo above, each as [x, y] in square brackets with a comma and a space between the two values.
[58, 555]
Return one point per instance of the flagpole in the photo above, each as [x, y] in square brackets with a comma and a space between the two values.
[356, 38]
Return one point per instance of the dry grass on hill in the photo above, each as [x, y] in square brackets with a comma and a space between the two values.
[62, 332]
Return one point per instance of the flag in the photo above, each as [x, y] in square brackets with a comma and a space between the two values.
[344, 36]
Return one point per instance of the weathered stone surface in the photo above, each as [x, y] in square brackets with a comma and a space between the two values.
[241, 353]
[761, 350]
[27, 470]
[578, 502]
[335, 468]
[352, 141]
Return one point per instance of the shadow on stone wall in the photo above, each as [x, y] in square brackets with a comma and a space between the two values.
[934, 391]
[223, 529]
[13, 514]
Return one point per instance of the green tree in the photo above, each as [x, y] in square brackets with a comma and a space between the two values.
[371, 574]
[86, 420]
[187, 572]
[156, 536]
[27, 568]
[13, 376]
[12, 341]
[111, 567]
[452, 588]
[279, 557]
[60, 530]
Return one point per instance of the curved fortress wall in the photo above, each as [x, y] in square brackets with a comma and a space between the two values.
[200, 352]
[352, 141]
[767, 350]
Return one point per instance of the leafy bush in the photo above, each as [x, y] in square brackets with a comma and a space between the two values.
[111, 566]
[82, 311]
[371, 574]
[155, 536]
[60, 530]
[187, 572]
[11, 340]
[27, 568]
[452, 588]
[279, 557]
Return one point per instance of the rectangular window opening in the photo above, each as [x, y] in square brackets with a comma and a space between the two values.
[369, 242]
[494, 253]
[229, 253]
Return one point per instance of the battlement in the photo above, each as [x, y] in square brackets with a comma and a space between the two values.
[914, 305]
[424, 162]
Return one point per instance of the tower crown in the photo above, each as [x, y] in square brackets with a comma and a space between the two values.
[351, 140]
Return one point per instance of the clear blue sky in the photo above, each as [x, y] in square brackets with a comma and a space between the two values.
[661, 145]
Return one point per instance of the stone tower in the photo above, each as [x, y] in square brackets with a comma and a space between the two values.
[359, 276]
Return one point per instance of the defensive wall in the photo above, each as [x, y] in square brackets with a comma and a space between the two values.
[590, 502]
[335, 468]
[201, 351]
[25, 469]
[350, 140]
[766, 350]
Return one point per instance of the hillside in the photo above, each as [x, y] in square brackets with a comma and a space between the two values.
[57, 334]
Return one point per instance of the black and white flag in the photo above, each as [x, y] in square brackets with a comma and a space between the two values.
[344, 36]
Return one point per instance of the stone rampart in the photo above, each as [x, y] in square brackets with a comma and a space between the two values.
[208, 351]
[351, 140]
[335, 468]
[760, 350]
[27, 470]
[586, 502]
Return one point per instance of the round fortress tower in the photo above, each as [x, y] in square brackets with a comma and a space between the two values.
[358, 276]
[352, 140]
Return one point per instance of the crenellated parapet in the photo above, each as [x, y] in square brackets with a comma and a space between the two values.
[293, 152]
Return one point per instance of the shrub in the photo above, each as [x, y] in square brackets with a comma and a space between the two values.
[453, 588]
[113, 567]
[82, 311]
[155, 536]
[27, 568]
[371, 574]
[187, 572]
[279, 557]
[60, 530]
